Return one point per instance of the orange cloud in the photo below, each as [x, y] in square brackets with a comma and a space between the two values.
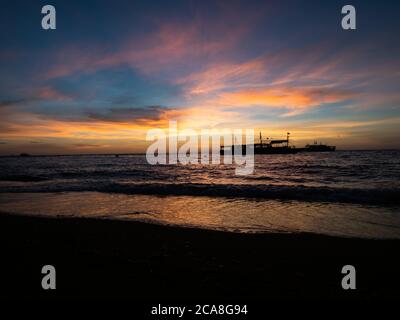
[222, 75]
[282, 97]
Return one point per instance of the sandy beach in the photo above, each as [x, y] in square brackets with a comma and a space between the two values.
[113, 259]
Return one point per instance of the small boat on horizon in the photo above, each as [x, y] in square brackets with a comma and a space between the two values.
[317, 148]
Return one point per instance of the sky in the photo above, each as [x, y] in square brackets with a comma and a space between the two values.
[112, 70]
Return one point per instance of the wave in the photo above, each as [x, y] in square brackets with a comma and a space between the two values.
[22, 178]
[385, 197]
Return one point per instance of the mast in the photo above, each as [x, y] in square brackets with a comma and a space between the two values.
[287, 139]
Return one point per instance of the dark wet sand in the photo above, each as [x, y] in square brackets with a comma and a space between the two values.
[138, 261]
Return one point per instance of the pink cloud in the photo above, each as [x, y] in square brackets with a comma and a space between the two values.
[49, 93]
[170, 45]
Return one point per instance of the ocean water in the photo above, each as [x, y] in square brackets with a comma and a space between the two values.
[346, 193]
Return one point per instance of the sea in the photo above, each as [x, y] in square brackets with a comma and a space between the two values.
[343, 193]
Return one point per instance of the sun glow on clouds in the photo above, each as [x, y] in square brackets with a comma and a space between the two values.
[299, 99]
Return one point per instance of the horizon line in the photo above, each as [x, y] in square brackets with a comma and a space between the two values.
[144, 153]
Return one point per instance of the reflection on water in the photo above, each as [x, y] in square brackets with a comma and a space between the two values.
[343, 169]
[234, 214]
[352, 193]
[356, 177]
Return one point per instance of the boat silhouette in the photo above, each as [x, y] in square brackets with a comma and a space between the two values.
[270, 146]
[317, 148]
[267, 146]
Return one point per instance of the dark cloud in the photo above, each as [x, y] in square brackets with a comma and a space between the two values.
[11, 102]
[78, 114]
[129, 114]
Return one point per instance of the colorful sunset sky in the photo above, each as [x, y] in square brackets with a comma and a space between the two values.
[112, 70]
